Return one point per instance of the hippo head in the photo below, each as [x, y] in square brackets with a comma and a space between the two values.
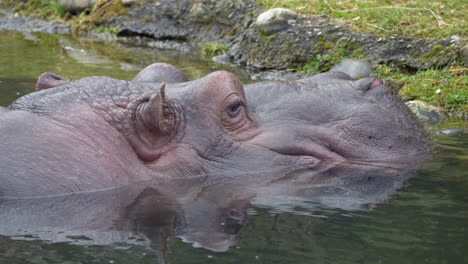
[326, 118]
[214, 124]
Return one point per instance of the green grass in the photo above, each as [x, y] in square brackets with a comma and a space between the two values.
[213, 49]
[446, 88]
[46, 9]
[419, 18]
[321, 63]
[328, 55]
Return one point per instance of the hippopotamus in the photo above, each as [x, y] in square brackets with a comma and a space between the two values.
[99, 133]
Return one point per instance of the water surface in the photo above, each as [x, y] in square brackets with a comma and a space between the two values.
[424, 221]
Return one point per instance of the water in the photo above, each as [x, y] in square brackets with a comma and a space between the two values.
[23, 60]
[424, 221]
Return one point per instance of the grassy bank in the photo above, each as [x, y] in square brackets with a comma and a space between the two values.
[45, 9]
[446, 87]
[419, 18]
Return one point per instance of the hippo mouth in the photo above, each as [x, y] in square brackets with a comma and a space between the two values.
[291, 144]
[322, 146]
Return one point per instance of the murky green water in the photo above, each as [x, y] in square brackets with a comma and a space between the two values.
[425, 221]
[22, 60]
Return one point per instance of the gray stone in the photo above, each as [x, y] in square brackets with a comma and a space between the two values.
[275, 20]
[26, 24]
[77, 5]
[184, 20]
[223, 59]
[170, 45]
[129, 2]
[428, 114]
[355, 68]
[464, 55]
[458, 131]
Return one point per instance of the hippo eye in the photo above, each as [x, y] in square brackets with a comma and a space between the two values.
[235, 115]
[234, 106]
[235, 109]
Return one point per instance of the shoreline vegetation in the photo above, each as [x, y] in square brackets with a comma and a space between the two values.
[445, 87]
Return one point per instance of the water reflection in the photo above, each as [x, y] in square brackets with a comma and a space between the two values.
[24, 58]
[207, 211]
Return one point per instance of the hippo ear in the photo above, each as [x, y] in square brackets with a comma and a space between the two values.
[159, 116]
[165, 112]
[156, 124]
[49, 80]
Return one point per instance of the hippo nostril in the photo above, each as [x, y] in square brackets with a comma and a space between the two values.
[376, 83]
[369, 83]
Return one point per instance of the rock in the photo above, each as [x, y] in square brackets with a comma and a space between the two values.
[275, 20]
[77, 5]
[355, 68]
[130, 67]
[458, 131]
[223, 59]
[170, 45]
[427, 113]
[314, 36]
[185, 20]
[464, 55]
[279, 76]
[129, 2]
[27, 24]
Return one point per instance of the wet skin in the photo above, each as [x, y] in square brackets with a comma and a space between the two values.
[100, 133]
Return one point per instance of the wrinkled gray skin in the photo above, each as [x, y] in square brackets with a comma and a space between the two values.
[100, 133]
